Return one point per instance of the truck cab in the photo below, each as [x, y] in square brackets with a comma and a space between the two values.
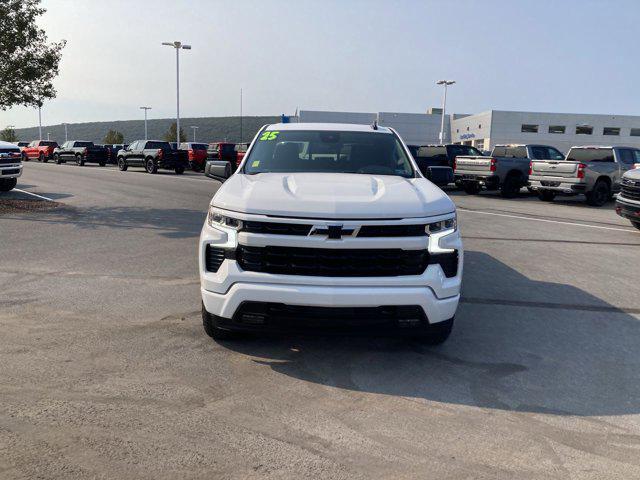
[41, 150]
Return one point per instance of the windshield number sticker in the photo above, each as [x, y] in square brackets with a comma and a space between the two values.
[255, 163]
[269, 136]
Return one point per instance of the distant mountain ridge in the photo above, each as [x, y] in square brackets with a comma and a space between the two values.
[209, 129]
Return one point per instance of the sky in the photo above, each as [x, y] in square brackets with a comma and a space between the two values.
[575, 56]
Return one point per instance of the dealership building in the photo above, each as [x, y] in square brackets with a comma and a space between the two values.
[487, 129]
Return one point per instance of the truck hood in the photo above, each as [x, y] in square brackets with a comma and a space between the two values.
[633, 174]
[332, 195]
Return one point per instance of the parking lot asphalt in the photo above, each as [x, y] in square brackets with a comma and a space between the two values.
[105, 371]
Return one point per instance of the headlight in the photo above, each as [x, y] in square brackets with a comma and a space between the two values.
[443, 225]
[217, 219]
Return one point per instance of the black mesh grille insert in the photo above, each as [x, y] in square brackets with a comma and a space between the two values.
[392, 231]
[281, 316]
[213, 258]
[276, 228]
[333, 262]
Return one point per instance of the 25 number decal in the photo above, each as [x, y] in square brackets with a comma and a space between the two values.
[269, 136]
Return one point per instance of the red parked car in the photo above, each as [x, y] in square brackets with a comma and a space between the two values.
[241, 151]
[42, 150]
[197, 155]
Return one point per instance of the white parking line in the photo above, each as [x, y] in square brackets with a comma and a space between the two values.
[545, 220]
[34, 194]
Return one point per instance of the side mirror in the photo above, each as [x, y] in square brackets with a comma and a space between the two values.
[218, 170]
[441, 176]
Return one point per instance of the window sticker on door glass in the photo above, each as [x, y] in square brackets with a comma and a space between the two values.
[255, 163]
[269, 136]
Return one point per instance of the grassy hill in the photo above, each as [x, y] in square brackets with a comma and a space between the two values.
[209, 129]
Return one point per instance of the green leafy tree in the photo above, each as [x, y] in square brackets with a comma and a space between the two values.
[28, 63]
[170, 136]
[113, 137]
[8, 135]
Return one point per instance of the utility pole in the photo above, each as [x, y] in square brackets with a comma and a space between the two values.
[178, 46]
[65, 132]
[446, 83]
[39, 121]
[240, 115]
[194, 128]
[146, 133]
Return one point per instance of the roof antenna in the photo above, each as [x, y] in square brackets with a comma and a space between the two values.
[375, 125]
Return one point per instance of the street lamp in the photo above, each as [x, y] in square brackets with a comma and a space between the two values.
[194, 127]
[39, 121]
[146, 135]
[177, 45]
[48, 136]
[446, 83]
[65, 132]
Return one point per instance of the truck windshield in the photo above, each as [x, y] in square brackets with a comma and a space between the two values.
[590, 155]
[328, 152]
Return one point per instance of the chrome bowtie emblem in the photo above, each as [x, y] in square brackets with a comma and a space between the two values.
[333, 232]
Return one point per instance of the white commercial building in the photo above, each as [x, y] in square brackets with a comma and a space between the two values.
[414, 128]
[561, 130]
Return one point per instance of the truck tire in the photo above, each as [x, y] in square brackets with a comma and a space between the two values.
[210, 324]
[80, 160]
[122, 165]
[471, 188]
[102, 164]
[635, 224]
[599, 195]
[546, 195]
[7, 184]
[438, 333]
[179, 170]
[511, 186]
[56, 158]
[42, 158]
[150, 166]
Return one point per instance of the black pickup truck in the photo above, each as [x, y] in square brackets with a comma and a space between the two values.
[153, 155]
[81, 152]
[436, 162]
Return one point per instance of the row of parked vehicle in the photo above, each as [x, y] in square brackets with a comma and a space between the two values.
[596, 172]
[150, 154]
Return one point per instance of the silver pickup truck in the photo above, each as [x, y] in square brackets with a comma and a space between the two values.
[592, 171]
[628, 201]
[507, 169]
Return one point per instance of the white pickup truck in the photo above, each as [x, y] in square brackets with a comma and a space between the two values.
[329, 227]
[592, 171]
[10, 166]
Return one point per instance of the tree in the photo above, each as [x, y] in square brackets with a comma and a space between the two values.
[113, 137]
[8, 135]
[28, 64]
[170, 136]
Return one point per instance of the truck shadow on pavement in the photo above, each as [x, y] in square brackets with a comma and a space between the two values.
[167, 222]
[518, 345]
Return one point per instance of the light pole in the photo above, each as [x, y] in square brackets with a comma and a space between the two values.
[194, 127]
[39, 121]
[146, 134]
[65, 132]
[446, 83]
[48, 136]
[177, 45]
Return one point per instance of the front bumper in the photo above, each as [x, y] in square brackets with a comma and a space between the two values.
[226, 290]
[10, 170]
[628, 209]
[562, 186]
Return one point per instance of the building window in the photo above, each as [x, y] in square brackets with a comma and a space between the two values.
[556, 128]
[467, 129]
[584, 130]
[479, 126]
[611, 131]
[457, 130]
[635, 132]
[527, 128]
